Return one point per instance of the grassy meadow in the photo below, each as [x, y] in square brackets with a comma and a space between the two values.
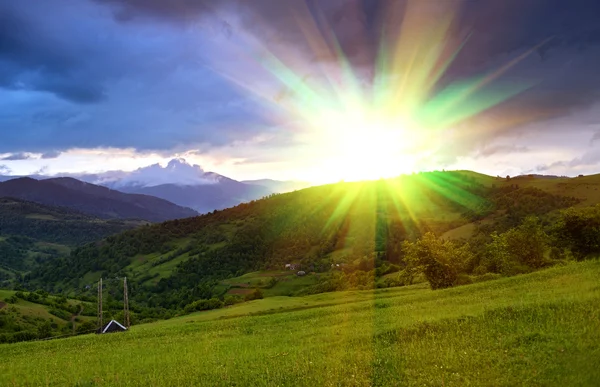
[540, 329]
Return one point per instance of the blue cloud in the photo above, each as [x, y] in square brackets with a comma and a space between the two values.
[16, 156]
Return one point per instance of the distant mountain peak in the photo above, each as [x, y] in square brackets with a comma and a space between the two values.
[180, 162]
[177, 171]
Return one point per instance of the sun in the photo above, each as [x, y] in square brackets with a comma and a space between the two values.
[366, 145]
[396, 109]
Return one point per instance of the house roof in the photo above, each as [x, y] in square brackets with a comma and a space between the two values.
[113, 322]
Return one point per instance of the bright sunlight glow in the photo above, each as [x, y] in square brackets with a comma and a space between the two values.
[365, 145]
[354, 123]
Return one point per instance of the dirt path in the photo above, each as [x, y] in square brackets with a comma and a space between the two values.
[73, 317]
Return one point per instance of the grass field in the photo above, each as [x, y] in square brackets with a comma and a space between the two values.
[27, 308]
[540, 329]
[287, 282]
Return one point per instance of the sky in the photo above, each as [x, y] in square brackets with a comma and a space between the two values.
[313, 90]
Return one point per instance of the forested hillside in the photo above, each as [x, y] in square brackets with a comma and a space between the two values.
[31, 234]
[176, 262]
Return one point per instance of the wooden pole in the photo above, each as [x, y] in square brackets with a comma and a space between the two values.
[100, 325]
[125, 304]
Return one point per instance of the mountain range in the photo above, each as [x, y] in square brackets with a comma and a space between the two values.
[92, 199]
[179, 182]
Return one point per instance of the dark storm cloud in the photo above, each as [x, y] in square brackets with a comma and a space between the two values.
[37, 59]
[80, 79]
[569, 30]
[50, 155]
[16, 156]
[567, 37]
[130, 73]
[177, 10]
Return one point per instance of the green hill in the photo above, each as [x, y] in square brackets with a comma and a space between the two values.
[27, 316]
[540, 329]
[32, 233]
[177, 262]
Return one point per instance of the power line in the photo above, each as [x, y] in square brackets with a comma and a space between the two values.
[125, 304]
[100, 324]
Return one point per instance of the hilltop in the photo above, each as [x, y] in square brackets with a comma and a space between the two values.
[174, 263]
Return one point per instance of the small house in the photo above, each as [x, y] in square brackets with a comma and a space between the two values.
[113, 326]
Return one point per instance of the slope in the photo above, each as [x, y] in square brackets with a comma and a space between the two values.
[314, 227]
[93, 200]
[537, 329]
[32, 233]
[27, 316]
[581, 191]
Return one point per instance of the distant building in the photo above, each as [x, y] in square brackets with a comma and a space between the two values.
[301, 273]
[292, 266]
[112, 326]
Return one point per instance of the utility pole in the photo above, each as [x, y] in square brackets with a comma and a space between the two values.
[125, 304]
[100, 325]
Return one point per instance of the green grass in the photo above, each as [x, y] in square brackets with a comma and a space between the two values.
[540, 329]
[287, 282]
[26, 308]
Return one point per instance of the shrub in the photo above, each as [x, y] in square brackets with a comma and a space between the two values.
[232, 300]
[486, 277]
[255, 295]
[463, 279]
[213, 303]
[272, 282]
[85, 327]
[440, 261]
[60, 313]
[519, 250]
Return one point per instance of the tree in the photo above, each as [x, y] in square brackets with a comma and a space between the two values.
[578, 229]
[45, 329]
[441, 261]
[519, 250]
[255, 295]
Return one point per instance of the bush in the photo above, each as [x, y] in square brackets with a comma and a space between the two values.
[463, 279]
[85, 327]
[391, 282]
[18, 336]
[232, 300]
[60, 313]
[272, 282]
[255, 295]
[213, 303]
[486, 277]
[440, 261]
[517, 251]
